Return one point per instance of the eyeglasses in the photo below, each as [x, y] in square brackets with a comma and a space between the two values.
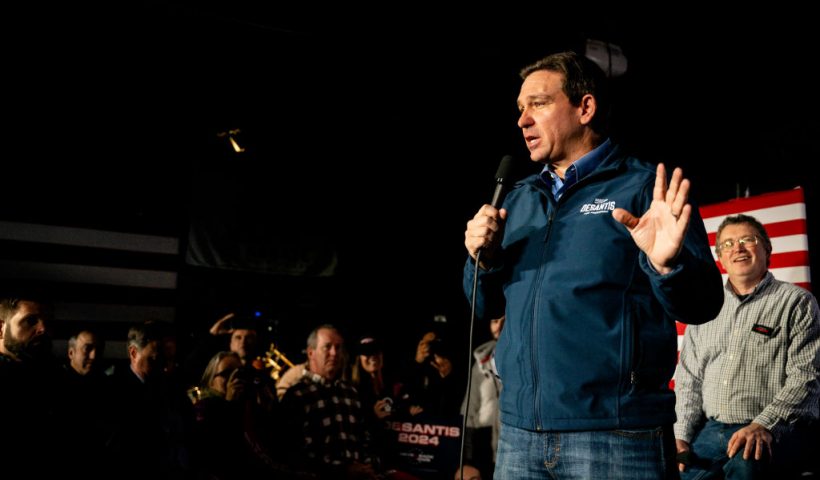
[729, 243]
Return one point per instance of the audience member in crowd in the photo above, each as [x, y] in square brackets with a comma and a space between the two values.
[325, 422]
[434, 389]
[482, 411]
[83, 349]
[148, 439]
[377, 390]
[85, 403]
[382, 397]
[236, 333]
[232, 435]
[29, 430]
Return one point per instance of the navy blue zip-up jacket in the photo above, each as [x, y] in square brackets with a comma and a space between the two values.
[590, 341]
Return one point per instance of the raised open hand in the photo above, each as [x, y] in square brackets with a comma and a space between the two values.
[660, 231]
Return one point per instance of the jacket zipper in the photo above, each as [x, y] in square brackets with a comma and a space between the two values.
[534, 326]
[633, 357]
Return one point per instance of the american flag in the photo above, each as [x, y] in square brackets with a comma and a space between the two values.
[784, 216]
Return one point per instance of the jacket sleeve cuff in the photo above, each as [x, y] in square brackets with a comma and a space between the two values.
[647, 267]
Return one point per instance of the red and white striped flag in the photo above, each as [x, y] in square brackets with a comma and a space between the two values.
[784, 216]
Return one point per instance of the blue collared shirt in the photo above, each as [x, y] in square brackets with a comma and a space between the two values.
[578, 170]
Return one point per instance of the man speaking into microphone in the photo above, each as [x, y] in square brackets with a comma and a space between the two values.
[592, 260]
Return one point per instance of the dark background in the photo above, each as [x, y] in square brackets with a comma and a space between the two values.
[373, 134]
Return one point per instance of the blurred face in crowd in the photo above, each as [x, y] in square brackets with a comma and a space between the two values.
[372, 363]
[326, 358]
[144, 362]
[24, 333]
[82, 356]
[243, 342]
[496, 325]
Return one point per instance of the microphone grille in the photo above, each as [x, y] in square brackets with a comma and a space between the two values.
[504, 169]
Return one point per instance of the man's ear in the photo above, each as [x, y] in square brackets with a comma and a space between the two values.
[2, 327]
[588, 108]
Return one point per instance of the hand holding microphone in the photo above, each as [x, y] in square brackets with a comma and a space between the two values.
[485, 230]
[482, 238]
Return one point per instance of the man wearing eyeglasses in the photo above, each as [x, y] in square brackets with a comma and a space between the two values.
[748, 382]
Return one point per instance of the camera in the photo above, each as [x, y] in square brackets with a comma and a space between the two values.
[439, 346]
[250, 376]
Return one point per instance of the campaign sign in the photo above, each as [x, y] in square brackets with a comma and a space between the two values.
[425, 445]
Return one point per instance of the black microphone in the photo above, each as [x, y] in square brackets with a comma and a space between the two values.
[502, 180]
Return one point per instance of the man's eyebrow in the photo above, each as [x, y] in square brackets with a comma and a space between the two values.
[535, 96]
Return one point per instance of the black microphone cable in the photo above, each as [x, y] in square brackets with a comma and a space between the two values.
[501, 179]
[469, 367]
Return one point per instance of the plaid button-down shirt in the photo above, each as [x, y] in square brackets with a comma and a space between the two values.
[758, 361]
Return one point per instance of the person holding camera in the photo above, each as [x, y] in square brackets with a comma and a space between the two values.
[434, 390]
[233, 433]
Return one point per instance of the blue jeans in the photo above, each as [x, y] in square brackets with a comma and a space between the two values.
[607, 454]
[710, 461]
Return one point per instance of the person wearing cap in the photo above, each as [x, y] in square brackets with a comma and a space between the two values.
[367, 375]
[376, 384]
[379, 393]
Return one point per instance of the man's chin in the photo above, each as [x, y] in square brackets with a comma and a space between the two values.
[538, 157]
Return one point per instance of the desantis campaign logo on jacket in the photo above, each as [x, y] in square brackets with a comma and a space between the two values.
[600, 205]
